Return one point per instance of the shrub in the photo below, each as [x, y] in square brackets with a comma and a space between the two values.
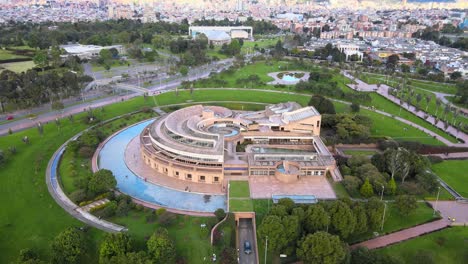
[139, 207]
[366, 189]
[78, 195]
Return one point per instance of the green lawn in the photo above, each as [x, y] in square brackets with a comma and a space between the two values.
[385, 126]
[191, 240]
[394, 221]
[454, 173]
[240, 205]
[381, 103]
[30, 218]
[239, 189]
[448, 246]
[18, 67]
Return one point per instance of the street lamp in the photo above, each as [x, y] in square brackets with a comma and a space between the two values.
[328, 223]
[381, 196]
[383, 217]
[266, 248]
[437, 200]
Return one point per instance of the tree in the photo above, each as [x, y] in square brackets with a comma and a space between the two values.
[359, 213]
[292, 233]
[405, 204]
[114, 245]
[374, 209]
[322, 104]
[321, 248]
[220, 214]
[184, 70]
[28, 256]
[316, 219]
[272, 227]
[366, 189]
[41, 59]
[102, 181]
[161, 248]
[288, 203]
[342, 219]
[68, 247]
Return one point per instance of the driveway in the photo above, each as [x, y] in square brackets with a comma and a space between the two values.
[246, 233]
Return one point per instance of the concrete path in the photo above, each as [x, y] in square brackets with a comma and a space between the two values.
[453, 213]
[403, 235]
[384, 91]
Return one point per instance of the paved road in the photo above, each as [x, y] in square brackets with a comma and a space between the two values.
[245, 231]
[202, 72]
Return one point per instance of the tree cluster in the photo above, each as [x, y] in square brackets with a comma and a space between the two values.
[395, 171]
[102, 33]
[31, 88]
[347, 128]
[315, 233]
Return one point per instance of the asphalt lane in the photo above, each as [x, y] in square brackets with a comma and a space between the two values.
[245, 231]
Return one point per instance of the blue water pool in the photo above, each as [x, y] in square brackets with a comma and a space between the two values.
[111, 157]
[289, 78]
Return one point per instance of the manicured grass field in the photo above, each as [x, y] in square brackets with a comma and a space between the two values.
[240, 205]
[30, 218]
[381, 103]
[394, 221]
[18, 66]
[191, 240]
[385, 126]
[448, 246]
[454, 173]
[239, 189]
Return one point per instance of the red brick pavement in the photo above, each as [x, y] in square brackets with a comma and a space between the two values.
[403, 234]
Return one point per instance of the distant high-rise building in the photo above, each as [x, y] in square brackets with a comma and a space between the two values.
[404, 2]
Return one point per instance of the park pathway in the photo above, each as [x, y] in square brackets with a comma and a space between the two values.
[384, 91]
[453, 213]
[403, 235]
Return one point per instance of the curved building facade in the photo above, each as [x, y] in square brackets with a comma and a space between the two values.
[199, 143]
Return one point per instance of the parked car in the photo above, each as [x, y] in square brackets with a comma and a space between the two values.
[247, 247]
[10, 117]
